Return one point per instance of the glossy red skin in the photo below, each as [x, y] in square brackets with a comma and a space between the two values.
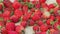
[43, 28]
[37, 5]
[23, 23]
[35, 28]
[31, 23]
[10, 26]
[19, 28]
[12, 32]
[14, 18]
[43, 33]
[6, 15]
[16, 5]
[48, 22]
[42, 1]
[52, 17]
[27, 16]
[4, 30]
[55, 26]
[25, 9]
[51, 6]
[58, 1]
[18, 13]
[36, 17]
[7, 3]
[38, 12]
[40, 23]
[0, 6]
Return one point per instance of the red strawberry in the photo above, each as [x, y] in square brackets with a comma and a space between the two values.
[40, 23]
[18, 13]
[14, 18]
[10, 26]
[31, 23]
[52, 17]
[43, 28]
[37, 12]
[37, 33]
[6, 15]
[1, 7]
[56, 26]
[23, 23]
[37, 5]
[36, 17]
[27, 16]
[19, 28]
[32, 10]
[4, 31]
[51, 6]
[48, 21]
[1, 24]
[42, 1]
[58, 1]
[7, 3]
[16, 5]
[35, 28]
[44, 5]
[12, 32]
[43, 33]
[25, 9]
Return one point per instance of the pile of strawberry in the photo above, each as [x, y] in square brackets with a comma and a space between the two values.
[43, 17]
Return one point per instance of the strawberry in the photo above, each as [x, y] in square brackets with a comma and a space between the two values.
[58, 1]
[14, 18]
[35, 28]
[10, 26]
[52, 17]
[19, 28]
[37, 5]
[25, 9]
[1, 24]
[6, 15]
[4, 31]
[42, 32]
[40, 23]
[12, 32]
[51, 6]
[52, 31]
[23, 23]
[44, 5]
[27, 16]
[7, 3]
[31, 23]
[37, 32]
[43, 28]
[18, 13]
[42, 1]
[48, 21]
[1, 6]
[38, 12]
[16, 5]
[35, 17]
[56, 26]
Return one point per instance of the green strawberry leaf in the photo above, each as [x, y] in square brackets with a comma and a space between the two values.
[1, 1]
[58, 27]
[52, 22]
[1, 19]
[51, 11]
[48, 32]
[19, 0]
[29, 5]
